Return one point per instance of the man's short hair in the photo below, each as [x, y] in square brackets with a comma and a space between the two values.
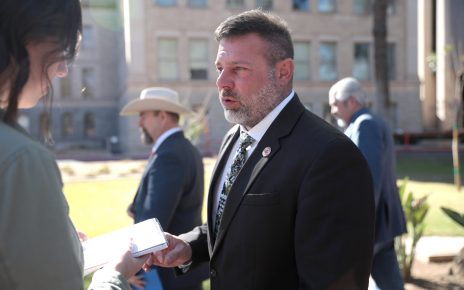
[269, 27]
[348, 87]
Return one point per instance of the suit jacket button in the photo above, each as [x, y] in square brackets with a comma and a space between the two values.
[213, 273]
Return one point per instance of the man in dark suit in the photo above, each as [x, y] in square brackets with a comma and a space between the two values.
[171, 188]
[290, 203]
[375, 140]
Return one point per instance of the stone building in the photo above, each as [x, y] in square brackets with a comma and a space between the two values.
[170, 43]
[129, 45]
[86, 102]
[441, 63]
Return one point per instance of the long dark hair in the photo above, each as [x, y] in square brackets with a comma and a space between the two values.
[26, 21]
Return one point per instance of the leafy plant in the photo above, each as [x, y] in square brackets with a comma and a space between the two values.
[454, 215]
[415, 210]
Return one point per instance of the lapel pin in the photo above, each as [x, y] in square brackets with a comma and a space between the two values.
[266, 151]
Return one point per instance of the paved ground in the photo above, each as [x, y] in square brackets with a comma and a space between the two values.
[431, 247]
[429, 275]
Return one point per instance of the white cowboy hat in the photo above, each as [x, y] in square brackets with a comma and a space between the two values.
[155, 99]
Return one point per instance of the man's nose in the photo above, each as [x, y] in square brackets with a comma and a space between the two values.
[224, 80]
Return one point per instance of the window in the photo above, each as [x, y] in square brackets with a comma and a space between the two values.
[89, 125]
[361, 65]
[198, 59]
[264, 4]
[87, 37]
[235, 3]
[301, 5]
[197, 3]
[326, 6]
[67, 128]
[88, 82]
[328, 61]
[361, 6]
[391, 61]
[166, 2]
[391, 8]
[302, 60]
[167, 59]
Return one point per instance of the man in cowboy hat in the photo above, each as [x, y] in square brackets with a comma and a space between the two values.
[171, 188]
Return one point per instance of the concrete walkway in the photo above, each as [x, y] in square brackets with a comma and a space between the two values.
[431, 248]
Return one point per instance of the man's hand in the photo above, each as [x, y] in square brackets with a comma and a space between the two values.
[177, 253]
[127, 265]
[137, 281]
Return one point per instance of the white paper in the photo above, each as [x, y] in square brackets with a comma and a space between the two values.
[147, 237]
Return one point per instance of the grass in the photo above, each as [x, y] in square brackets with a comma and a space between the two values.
[432, 174]
[99, 206]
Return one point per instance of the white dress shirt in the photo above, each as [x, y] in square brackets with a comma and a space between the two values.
[257, 132]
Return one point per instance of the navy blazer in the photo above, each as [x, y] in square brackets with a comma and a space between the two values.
[171, 189]
[301, 217]
[375, 140]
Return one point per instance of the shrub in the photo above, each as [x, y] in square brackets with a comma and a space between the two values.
[415, 210]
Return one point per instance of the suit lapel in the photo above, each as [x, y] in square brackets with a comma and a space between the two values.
[281, 127]
[217, 171]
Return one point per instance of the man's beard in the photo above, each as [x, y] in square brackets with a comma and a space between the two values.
[145, 137]
[251, 113]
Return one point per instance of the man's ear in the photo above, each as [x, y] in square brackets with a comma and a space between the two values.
[284, 71]
[163, 115]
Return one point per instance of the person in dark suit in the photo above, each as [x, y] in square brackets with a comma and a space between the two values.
[172, 186]
[375, 140]
[291, 201]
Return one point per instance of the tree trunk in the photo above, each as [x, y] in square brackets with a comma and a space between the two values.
[382, 104]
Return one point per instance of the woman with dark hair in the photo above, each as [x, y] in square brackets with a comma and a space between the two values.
[39, 246]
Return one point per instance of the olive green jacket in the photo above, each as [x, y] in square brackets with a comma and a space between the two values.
[39, 247]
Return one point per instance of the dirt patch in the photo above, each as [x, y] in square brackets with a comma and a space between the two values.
[428, 276]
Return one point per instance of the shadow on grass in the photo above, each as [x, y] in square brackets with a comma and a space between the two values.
[427, 166]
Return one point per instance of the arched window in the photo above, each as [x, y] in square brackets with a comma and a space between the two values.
[89, 125]
[67, 127]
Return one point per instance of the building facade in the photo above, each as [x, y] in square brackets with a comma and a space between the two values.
[86, 102]
[170, 43]
[441, 63]
[130, 45]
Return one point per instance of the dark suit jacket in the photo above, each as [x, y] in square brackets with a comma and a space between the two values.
[299, 218]
[375, 140]
[171, 190]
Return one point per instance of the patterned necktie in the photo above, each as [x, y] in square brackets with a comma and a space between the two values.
[237, 164]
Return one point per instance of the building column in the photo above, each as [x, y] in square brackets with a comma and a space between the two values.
[426, 63]
[446, 102]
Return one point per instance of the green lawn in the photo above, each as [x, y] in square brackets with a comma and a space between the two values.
[98, 206]
[432, 174]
